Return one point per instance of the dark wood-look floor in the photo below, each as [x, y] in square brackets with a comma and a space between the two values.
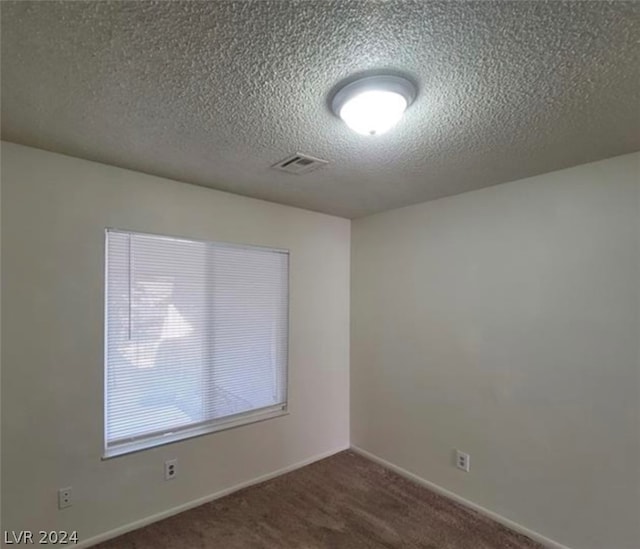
[341, 502]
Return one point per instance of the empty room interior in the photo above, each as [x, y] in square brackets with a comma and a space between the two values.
[320, 274]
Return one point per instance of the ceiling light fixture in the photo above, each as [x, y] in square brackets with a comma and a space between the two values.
[374, 104]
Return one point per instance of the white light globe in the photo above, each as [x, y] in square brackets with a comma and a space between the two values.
[372, 105]
[373, 112]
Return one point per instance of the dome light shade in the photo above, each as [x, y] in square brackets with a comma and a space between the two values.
[373, 105]
[373, 112]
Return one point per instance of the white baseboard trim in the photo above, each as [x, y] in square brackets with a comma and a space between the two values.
[551, 544]
[201, 501]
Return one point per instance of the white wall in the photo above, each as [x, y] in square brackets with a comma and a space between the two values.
[54, 211]
[505, 322]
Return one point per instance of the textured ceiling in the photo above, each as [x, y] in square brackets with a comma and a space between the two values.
[214, 93]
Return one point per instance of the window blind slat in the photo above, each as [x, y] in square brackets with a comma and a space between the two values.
[196, 332]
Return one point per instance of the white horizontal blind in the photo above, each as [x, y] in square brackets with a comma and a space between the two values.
[196, 337]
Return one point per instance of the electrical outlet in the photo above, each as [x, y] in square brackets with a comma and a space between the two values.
[170, 469]
[463, 461]
[64, 498]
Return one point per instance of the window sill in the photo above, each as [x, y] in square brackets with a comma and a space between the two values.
[125, 448]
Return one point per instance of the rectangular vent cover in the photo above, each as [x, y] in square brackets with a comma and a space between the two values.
[300, 163]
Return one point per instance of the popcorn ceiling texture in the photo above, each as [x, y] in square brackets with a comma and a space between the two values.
[214, 93]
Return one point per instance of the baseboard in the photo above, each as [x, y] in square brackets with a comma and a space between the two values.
[551, 544]
[206, 499]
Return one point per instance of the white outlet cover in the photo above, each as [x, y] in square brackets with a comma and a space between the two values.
[64, 498]
[170, 469]
[463, 461]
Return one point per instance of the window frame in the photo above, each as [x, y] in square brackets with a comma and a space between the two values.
[145, 442]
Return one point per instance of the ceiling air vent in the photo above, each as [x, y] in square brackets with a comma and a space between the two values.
[299, 164]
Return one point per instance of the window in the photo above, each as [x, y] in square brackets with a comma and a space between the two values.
[196, 338]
